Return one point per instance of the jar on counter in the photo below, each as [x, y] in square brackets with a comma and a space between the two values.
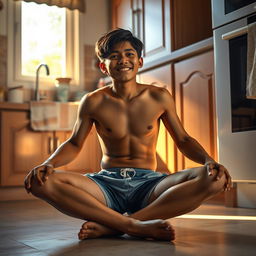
[62, 87]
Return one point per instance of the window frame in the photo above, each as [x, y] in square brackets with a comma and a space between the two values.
[73, 61]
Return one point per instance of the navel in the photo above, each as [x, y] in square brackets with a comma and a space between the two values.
[150, 127]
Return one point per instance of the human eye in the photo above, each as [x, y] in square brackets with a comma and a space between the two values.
[113, 56]
[130, 54]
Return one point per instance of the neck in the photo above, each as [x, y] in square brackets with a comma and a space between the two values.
[125, 90]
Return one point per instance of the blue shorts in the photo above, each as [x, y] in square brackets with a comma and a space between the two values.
[126, 189]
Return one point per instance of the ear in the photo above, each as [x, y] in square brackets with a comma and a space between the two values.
[103, 68]
[140, 62]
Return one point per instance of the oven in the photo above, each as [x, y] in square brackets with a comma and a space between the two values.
[236, 113]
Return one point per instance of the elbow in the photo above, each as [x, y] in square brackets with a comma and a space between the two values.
[184, 141]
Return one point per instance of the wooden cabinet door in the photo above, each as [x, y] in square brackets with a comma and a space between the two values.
[21, 148]
[194, 88]
[122, 14]
[156, 29]
[89, 157]
[166, 157]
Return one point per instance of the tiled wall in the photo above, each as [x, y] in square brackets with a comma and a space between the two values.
[92, 73]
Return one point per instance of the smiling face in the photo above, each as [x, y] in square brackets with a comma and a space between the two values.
[123, 63]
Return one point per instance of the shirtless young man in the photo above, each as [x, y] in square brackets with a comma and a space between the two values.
[126, 115]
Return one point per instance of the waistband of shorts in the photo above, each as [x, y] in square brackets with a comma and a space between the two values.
[126, 172]
[119, 169]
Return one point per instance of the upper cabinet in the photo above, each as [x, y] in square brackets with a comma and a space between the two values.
[164, 26]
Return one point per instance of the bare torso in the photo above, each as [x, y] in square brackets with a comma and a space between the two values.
[128, 130]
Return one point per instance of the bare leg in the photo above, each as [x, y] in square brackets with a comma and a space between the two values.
[77, 196]
[177, 194]
[180, 193]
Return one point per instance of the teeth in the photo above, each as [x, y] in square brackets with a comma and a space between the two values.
[124, 69]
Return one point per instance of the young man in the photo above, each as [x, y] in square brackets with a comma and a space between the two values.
[126, 115]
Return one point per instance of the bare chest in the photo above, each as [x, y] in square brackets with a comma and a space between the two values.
[117, 119]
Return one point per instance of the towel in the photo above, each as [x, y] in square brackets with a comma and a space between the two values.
[251, 62]
[52, 116]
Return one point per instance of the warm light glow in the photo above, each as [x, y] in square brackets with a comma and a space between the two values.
[216, 217]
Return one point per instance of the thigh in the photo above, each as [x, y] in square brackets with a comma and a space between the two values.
[81, 182]
[173, 180]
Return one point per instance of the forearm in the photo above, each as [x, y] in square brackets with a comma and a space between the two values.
[63, 155]
[194, 151]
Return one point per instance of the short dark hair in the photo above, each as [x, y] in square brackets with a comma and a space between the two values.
[105, 44]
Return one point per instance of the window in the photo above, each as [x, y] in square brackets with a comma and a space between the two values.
[39, 33]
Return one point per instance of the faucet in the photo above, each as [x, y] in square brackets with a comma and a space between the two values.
[37, 96]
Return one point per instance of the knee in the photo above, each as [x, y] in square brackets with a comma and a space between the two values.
[45, 189]
[209, 183]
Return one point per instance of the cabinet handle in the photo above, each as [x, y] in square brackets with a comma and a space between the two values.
[50, 145]
[235, 33]
[57, 142]
[136, 16]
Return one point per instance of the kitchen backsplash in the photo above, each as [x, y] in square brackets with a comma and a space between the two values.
[92, 73]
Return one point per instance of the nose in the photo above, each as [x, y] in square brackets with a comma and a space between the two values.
[122, 59]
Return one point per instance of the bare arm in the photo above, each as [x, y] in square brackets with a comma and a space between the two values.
[67, 151]
[186, 144]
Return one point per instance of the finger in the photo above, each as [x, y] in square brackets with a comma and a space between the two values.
[28, 182]
[49, 171]
[38, 176]
[229, 182]
[221, 170]
[210, 168]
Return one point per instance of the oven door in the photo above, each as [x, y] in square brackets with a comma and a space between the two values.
[226, 11]
[236, 127]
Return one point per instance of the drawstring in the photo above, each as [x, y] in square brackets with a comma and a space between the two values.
[127, 172]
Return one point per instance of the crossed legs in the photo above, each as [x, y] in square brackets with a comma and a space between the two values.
[79, 197]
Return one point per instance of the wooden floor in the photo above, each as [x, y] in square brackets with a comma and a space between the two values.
[35, 228]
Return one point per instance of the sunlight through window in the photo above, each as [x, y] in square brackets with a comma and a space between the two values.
[43, 30]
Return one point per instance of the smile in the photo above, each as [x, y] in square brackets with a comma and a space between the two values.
[124, 69]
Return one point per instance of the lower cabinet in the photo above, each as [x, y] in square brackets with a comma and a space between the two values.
[195, 102]
[22, 148]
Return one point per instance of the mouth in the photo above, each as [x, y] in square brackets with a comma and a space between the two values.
[124, 69]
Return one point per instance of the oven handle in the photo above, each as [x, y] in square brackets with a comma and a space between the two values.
[236, 33]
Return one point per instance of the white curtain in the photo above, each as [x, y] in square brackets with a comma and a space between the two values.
[70, 4]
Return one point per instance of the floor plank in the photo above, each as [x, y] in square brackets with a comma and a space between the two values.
[35, 228]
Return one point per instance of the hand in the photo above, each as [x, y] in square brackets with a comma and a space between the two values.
[40, 173]
[221, 170]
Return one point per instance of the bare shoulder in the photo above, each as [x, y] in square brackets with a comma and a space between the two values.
[93, 99]
[160, 94]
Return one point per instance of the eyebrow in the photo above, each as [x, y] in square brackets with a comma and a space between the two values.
[125, 50]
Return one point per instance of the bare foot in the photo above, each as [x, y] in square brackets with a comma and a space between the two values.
[92, 229]
[156, 229]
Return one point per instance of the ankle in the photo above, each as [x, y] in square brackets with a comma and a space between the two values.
[131, 225]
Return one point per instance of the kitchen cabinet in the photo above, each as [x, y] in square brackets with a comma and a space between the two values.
[164, 26]
[195, 102]
[22, 148]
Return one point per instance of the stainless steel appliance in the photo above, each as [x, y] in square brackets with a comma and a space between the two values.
[236, 115]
